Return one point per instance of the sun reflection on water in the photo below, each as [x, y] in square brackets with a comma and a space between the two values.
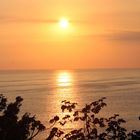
[64, 82]
[64, 79]
[64, 89]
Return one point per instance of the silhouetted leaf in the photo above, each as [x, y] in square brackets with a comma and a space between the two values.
[76, 118]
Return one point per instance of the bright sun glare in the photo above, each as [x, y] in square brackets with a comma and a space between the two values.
[64, 79]
[64, 23]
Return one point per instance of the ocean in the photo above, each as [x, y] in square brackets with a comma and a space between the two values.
[44, 90]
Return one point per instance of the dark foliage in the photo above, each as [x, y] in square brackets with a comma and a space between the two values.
[94, 127]
[14, 128]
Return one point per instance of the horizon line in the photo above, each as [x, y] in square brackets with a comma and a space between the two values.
[129, 68]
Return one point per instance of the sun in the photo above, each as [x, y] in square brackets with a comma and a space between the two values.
[64, 23]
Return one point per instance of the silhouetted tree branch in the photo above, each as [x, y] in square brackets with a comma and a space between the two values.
[94, 127]
[14, 128]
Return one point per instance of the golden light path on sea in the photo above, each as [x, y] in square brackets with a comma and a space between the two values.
[64, 79]
[65, 83]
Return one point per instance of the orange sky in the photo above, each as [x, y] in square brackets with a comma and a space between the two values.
[101, 34]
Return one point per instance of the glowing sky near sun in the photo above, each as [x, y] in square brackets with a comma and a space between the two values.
[52, 34]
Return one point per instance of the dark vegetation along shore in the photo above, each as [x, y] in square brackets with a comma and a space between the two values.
[27, 127]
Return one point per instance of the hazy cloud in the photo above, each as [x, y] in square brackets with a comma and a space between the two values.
[125, 36]
[28, 20]
[120, 36]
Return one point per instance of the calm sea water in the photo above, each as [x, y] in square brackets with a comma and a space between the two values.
[43, 91]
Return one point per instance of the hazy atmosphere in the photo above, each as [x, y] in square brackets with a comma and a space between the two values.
[99, 34]
[69, 69]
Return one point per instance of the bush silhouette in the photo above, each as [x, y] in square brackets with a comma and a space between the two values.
[14, 128]
[94, 127]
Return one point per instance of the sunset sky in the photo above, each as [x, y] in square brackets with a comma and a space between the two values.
[100, 34]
